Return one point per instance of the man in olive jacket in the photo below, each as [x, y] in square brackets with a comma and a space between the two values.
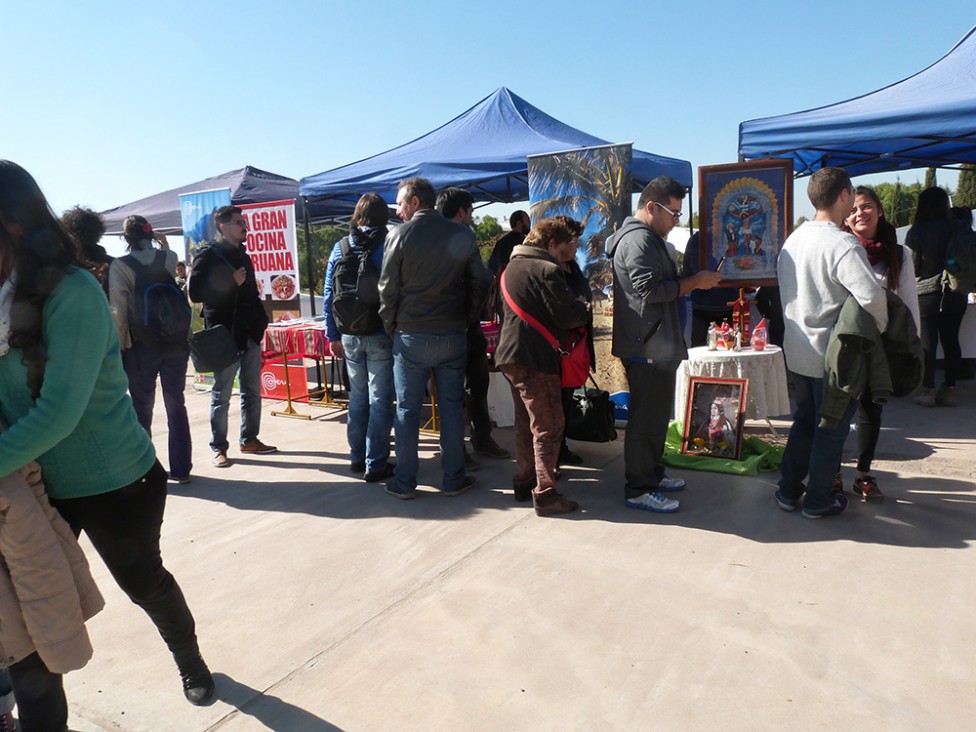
[647, 336]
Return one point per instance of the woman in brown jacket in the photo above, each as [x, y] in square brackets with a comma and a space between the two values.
[534, 280]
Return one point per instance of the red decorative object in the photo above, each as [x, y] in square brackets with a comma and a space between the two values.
[741, 317]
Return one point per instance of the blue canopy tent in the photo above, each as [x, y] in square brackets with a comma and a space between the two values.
[926, 120]
[483, 150]
[247, 185]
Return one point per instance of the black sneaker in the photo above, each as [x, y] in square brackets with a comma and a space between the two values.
[840, 505]
[490, 448]
[568, 457]
[467, 484]
[784, 503]
[375, 476]
[198, 684]
[469, 464]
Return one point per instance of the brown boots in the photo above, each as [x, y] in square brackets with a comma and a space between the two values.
[550, 503]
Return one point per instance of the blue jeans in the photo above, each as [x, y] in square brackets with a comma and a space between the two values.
[415, 355]
[812, 452]
[143, 365]
[369, 361]
[250, 383]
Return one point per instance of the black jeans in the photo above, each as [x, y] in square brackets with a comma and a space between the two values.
[651, 401]
[941, 314]
[41, 704]
[477, 382]
[124, 526]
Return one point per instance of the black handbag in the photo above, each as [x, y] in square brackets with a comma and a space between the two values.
[213, 349]
[590, 415]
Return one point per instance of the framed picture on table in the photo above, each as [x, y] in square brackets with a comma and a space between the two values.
[714, 417]
[745, 214]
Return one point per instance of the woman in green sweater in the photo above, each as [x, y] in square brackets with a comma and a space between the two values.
[63, 391]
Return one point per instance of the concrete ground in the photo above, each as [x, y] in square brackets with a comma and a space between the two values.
[324, 604]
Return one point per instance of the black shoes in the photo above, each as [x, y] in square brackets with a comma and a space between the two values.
[568, 457]
[376, 476]
[490, 448]
[198, 684]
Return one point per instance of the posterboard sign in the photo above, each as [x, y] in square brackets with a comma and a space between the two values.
[197, 210]
[273, 385]
[273, 247]
[593, 186]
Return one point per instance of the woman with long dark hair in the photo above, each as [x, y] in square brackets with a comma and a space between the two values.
[63, 391]
[940, 309]
[893, 266]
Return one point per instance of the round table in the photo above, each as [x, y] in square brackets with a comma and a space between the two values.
[766, 394]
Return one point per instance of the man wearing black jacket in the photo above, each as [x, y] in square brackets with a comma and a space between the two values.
[222, 278]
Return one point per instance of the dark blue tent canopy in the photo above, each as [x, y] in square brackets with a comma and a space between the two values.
[926, 120]
[484, 150]
[247, 185]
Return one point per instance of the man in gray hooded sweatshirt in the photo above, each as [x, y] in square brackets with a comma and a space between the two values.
[647, 336]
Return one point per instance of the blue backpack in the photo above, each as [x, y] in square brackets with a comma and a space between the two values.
[160, 314]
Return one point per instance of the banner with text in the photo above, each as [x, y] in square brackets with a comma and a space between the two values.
[197, 210]
[272, 244]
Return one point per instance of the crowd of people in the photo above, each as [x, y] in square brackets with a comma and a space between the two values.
[81, 353]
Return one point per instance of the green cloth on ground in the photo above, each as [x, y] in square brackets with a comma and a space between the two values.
[755, 456]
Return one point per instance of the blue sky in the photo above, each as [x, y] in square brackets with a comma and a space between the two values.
[107, 102]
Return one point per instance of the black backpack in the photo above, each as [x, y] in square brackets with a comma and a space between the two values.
[355, 291]
[160, 314]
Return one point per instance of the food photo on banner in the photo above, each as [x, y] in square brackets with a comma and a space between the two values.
[746, 213]
[714, 417]
[592, 185]
[273, 247]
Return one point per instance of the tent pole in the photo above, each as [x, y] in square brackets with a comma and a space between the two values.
[308, 256]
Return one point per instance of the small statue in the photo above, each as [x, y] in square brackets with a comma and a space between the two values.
[712, 341]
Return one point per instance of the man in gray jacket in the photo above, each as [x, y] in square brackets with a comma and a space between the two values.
[432, 286]
[647, 336]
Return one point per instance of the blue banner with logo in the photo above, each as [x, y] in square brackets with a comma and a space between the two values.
[197, 210]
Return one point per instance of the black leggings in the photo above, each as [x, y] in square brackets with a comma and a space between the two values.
[124, 526]
[941, 314]
[41, 704]
[868, 430]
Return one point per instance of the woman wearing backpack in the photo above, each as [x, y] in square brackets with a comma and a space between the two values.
[150, 355]
[356, 334]
[63, 392]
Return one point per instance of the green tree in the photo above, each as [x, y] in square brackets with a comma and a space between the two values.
[323, 241]
[487, 231]
[799, 222]
[966, 189]
[930, 181]
[898, 201]
[486, 228]
[586, 186]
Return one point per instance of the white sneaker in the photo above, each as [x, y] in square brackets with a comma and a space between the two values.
[671, 484]
[653, 502]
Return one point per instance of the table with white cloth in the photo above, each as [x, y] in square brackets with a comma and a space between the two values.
[765, 370]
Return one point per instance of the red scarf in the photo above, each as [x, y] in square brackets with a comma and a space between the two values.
[874, 249]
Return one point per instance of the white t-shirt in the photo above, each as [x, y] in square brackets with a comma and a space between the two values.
[819, 267]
